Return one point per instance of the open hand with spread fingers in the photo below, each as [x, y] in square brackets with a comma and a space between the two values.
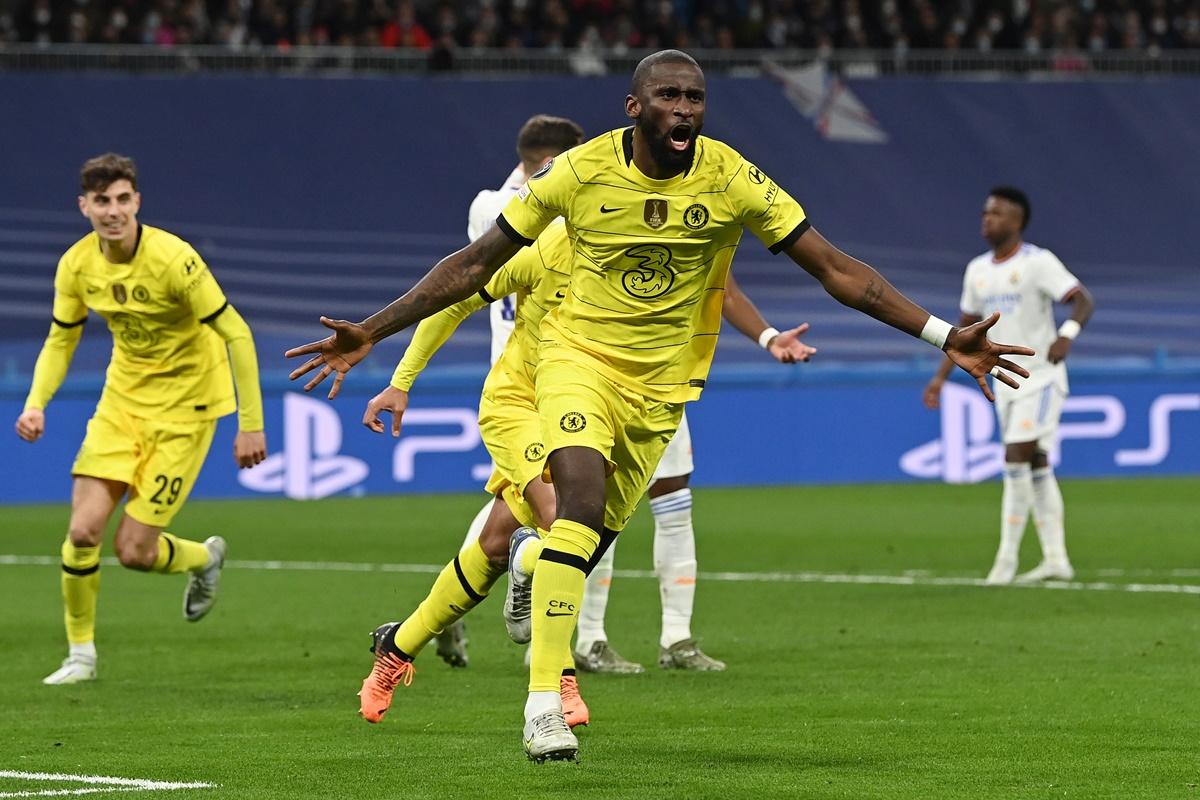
[348, 345]
[787, 347]
[971, 349]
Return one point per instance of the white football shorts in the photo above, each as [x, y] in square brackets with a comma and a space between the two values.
[677, 459]
[1027, 416]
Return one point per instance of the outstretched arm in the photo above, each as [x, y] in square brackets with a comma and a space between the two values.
[933, 391]
[740, 311]
[454, 278]
[430, 335]
[855, 284]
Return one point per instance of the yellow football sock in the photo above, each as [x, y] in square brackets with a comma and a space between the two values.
[179, 555]
[461, 586]
[80, 588]
[557, 594]
[568, 667]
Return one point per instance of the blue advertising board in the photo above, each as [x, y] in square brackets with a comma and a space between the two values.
[744, 433]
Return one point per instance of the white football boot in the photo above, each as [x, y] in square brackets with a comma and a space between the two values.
[201, 591]
[518, 598]
[74, 669]
[1003, 572]
[548, 738]
[1048, 571]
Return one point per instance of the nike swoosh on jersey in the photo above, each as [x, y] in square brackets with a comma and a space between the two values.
[606, 210]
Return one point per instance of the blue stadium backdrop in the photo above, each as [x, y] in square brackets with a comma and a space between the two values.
[332, 196]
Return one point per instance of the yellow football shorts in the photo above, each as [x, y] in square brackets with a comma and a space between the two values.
[160, 461]
[512, 432]
[580, 408]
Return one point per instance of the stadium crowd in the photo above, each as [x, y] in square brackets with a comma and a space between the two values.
[615, 25]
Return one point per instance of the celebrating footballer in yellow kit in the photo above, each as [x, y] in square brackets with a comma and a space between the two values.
[167, 384]
[509, 423]
[655, 212]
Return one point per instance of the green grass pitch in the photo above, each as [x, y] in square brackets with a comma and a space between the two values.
[837, 689]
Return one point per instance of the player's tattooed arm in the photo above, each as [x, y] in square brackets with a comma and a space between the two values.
[932, 395]
[855, 284]
[872, 294]
[454, 278]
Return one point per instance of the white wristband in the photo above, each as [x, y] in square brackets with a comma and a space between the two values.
[936, 331]
[764, 338]
[1069, 329]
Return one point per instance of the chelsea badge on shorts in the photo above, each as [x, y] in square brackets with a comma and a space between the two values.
[572, 422]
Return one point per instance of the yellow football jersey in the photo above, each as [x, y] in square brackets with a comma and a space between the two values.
[538, 275]
[165, 364]
[650, 257]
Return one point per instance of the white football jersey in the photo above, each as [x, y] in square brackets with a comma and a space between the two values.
[486, 206]
[1023, 288]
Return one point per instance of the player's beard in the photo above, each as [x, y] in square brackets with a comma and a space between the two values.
[662, 152]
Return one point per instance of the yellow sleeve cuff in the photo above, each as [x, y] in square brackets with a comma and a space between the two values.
[243, 358]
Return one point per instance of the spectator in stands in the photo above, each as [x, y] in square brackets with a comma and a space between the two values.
[403, 30]
[617, 26]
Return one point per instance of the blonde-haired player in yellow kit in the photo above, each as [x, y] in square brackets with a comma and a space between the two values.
[508, 421]
[656, 212]
[167, 384]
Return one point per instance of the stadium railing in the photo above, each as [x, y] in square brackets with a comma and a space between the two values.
[466, 61]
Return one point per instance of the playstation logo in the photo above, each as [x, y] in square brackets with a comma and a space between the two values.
[965, 453]
[309, 467]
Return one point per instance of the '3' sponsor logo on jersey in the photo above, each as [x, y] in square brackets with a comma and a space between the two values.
[652, 276]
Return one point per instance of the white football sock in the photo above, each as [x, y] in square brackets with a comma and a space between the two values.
[540, 702]
[675, 563]
[477, 524]
[1014, 509]
[1048, 516]
[595, 602]
[86, 650]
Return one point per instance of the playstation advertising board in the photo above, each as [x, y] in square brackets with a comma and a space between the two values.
[742, 435]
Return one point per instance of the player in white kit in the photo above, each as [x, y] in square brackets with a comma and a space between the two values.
[1022, 282]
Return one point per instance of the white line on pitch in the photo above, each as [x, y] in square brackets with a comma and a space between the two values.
[911, 578]
[96, 784]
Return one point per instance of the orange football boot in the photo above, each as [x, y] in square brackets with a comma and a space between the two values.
[574, 709]
[391, 667]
